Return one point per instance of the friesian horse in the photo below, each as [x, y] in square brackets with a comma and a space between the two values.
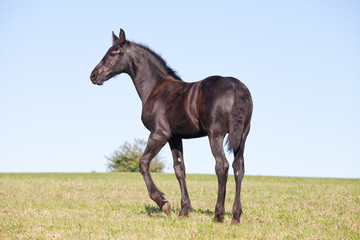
[173, 109]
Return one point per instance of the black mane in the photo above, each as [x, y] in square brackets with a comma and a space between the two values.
[169, 70]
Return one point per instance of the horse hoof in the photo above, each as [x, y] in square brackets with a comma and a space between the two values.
[235, 222]
[185, 211]
[166, 208]
[219, 218]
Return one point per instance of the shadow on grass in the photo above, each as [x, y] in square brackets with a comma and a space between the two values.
[209, 212]
[150, 210]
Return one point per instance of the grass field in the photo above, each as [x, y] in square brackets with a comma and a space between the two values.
[117, 206]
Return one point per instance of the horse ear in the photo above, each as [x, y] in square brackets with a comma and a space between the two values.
[122, 36]
[114, 38]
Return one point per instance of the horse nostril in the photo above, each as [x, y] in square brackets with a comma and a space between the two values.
[93, 76]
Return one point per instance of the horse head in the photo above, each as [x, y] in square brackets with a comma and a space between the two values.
[114, 62]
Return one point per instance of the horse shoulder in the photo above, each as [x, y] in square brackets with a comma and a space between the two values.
[156, 108]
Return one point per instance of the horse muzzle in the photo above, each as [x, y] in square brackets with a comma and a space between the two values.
[94, 77]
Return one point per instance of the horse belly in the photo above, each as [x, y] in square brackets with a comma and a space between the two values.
[187, 131]
[185, 125]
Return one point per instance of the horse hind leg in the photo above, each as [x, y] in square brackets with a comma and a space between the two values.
[179, 167]
[221, 169]
[239, 170]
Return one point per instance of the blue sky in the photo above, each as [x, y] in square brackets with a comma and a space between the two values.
[300, 60]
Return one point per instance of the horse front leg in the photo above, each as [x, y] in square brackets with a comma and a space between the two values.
[179, 167]
[154, 145]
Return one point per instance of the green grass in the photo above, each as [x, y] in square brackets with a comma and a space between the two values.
[117, 206]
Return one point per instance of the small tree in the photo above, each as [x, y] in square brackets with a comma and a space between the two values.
[126, 159]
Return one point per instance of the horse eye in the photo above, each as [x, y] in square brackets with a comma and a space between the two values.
[112, 54]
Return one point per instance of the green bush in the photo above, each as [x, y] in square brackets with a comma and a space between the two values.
[126, 158]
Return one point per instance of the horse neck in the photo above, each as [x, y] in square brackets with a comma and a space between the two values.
[146, 71]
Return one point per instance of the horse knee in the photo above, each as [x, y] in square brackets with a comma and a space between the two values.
[239, 170]
[179, 168]
[221, 167]
[143, 166]
[226, 165]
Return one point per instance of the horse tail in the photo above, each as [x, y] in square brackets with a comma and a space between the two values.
[239, 119]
